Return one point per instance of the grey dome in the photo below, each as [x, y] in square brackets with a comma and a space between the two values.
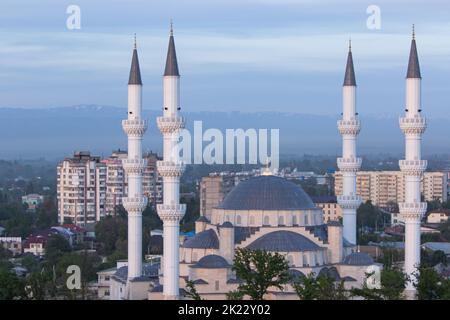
[227, 224]
[358, 259]
[211, 261]
[267, 193]
[285, 241]
[204, 240]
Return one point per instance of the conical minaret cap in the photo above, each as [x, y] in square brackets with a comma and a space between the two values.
[413, 64]
[171, 61]
[349, 79]
[135, 71]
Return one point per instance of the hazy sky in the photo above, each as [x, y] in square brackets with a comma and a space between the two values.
[247, 55]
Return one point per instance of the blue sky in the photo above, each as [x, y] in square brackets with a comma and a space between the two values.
[247, 55]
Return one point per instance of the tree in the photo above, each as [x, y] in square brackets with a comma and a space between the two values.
[322, 287]
[191, 291]
[11, 287]
[259, 270]
[430, 285]
[392, 285]
[109, 231]
[56, 246]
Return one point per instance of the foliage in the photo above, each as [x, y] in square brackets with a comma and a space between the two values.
[235, 295]
[369, 217]
[259, 270]
[392, 285]
[191, 291]
[56, 246]
[430, 285]
[430, 259]
[110, 233]
[11, 287]
[192, 213]
[322, 287]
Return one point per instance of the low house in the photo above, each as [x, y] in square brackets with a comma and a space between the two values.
[438, 216]
[13, 244]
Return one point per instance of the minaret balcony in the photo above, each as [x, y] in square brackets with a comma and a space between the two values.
[134, 166]
[350, 127]
[416, 125]
[134, 127]
[170, 124]
[349, 164]
[171, 212]
[412, 210]
[134, 206]
[413, 167]
[170, 168]
[349, 201]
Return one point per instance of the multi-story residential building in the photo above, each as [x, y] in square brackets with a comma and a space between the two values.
[90, 188]
[331, 209]
[81, 189]
[438, 216]
[152, 181]
[385, 188]
[116, 181]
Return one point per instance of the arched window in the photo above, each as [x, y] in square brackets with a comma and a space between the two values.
[316, 255]
[217, 285]
[194, 256]
[305, 260]
[266, 220]
[238, 219]
[306, 219]
[252, 220]
[281, 221]
[294, 220]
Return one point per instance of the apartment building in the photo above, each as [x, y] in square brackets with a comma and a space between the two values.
[152, 181]
[89, 188]
[385, 188]
[81, 189]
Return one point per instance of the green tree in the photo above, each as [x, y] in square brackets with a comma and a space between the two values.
[322, 287]
[11, 287]
[56, 246]
[191, 291]
[392, 285]
[260, 270]
[108, 231]
[430, 285]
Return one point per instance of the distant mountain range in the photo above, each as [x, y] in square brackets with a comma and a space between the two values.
[56, 132]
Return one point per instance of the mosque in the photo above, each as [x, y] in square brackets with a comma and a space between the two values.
[266, 212]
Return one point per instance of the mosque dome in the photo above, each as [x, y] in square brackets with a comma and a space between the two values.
[358, 259]
[211, 261]
[285, 241]
[267, 193]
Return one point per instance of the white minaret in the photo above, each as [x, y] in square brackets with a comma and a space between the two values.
[413, 126]
[349, 164]
[134, 165]
[171, 168]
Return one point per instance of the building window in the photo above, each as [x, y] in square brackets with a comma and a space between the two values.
[306, 219]
[238, 220]
[252, 220]
[281, 221]
[305, 260]
[266, 220]
[290, 260]
[294, 220]
[217, 285]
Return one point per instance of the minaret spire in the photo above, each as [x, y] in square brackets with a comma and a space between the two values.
[135, 71]
[171, 169]
[349, 127]
[171, 61]
[413, 65]
[413, 125]
[349, 79]
[135, 202]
